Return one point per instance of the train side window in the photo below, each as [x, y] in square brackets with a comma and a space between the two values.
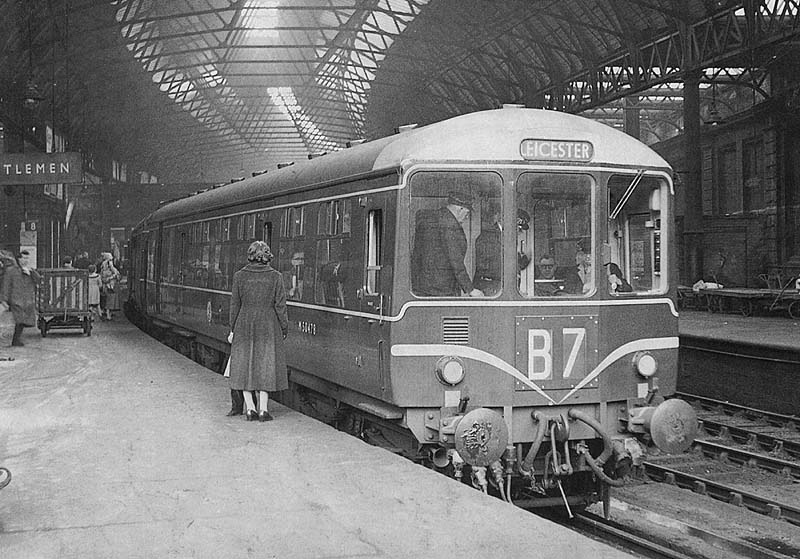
[239, 222]
[266, 230]
[293, 256]
[374, 251]
[250, 226]
[151, 257]
[225, 229]
[293, 222]
[168, 253]
[333, 218]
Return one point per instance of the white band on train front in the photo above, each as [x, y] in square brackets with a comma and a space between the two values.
[437, 350]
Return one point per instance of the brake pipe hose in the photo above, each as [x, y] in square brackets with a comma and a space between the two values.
[596, 464]
[526, 466]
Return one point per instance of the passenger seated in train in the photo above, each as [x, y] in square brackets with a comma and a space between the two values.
[297, 274]
[616, 281]
[332, 275]
[583, 266]
[553, 280]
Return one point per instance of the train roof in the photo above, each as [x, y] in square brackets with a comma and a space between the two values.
[493, 135]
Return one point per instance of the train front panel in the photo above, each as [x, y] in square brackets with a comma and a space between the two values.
[571, 327]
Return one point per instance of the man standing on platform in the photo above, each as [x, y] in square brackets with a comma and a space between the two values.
[18, 294]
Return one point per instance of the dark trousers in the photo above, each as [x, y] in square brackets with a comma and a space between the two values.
[237, 402]
[15, 340]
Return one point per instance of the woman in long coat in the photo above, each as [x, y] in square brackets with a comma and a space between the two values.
[259, 324]
[109, 278]
[18, 294]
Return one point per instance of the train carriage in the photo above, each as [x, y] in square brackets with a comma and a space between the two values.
[528, 348]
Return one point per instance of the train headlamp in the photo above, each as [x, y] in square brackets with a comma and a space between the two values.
[645, 363]
[450, 370]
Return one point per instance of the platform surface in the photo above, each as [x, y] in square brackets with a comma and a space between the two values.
[770, 331]
[119, 447]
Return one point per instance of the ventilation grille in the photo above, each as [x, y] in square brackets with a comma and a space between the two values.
[455, 330]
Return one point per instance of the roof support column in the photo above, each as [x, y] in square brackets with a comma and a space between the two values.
[632, 123]
[693, 197]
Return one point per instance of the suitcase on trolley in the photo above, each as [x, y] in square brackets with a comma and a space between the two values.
[63, 300]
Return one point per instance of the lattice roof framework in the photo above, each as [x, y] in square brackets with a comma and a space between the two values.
[210, 89]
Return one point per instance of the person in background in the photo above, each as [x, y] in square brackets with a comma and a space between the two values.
[94, 291]
[259, 325]
[109, 276]
[489, 253]
[440, 244]
[489, 256]
[523, 255]
[616, 281]
[66, 262]
[546, 283]
[82, 261]
[18, 294]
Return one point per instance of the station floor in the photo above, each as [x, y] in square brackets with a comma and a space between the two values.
[769, 331]
[119, 447]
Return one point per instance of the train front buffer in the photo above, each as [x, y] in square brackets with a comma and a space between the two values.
[574, 404]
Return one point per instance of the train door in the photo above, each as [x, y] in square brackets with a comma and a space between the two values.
[375, 292]
[151, 291]
[158, 264]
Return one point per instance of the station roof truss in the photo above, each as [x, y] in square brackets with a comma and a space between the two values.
[205, 90]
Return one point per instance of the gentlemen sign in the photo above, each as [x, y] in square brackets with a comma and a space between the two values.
[40, 168]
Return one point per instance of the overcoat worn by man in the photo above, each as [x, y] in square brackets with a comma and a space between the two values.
[440, 245]
[18, 293]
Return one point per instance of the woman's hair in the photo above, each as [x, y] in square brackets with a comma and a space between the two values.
[92, 268]
[259, 251]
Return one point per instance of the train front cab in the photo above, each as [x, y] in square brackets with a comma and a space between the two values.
[554, 371]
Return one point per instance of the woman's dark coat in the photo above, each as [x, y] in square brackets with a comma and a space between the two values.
[259, 323]
[19, 291]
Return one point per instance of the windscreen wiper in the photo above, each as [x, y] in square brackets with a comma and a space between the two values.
[628, 191]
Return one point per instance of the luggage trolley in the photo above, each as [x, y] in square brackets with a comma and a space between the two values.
[64, 300]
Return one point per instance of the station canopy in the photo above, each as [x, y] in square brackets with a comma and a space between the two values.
[208, 90]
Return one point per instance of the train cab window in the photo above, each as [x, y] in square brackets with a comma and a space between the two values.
[634, 239]
[456, 234]
[554, 235]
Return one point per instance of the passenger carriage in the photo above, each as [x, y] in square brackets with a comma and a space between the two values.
[536, 389]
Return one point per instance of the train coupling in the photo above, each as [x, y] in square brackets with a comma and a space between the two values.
[672, 425]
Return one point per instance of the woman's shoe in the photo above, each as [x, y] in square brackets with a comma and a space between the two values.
[264, 416]
[251, 415]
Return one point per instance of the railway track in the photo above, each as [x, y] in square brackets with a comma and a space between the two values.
[736, 441]
[693, 544]
[728, 493]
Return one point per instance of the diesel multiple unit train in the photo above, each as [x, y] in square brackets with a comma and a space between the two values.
[530, 349]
